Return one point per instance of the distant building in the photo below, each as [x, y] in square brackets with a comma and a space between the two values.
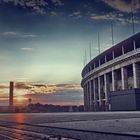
[11, 92]
[111, 81]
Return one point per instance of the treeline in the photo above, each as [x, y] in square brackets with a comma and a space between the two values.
[40, 108]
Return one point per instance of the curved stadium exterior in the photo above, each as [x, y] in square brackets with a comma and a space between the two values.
[111, 81]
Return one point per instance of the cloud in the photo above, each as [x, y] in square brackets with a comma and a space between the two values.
[21, 85]
[29, 36]
[13, 34]
[114, 17]
[27, 49]
[123, 5]
[76, 15]
[62, 94]
[66, 97]
[3, 86]
[37, 6]
[57, 2]
[10, 33]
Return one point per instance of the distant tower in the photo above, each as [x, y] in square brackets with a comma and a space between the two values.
[11, 91]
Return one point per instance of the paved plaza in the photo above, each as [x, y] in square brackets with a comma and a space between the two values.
[69, 126]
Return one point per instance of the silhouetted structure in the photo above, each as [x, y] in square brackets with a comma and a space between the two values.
[11, 92]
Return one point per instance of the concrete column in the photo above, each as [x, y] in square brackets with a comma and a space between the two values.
[99, 90]
[90, 96]
[114, 80]
[95, 100]
[105, 59]
[136, 74]
[113, 54]
[134, 43]
[106, 82]
[124, 78]
[122, 49]
[102, 87]
[84, 89]
[99, 62]
[85, 97]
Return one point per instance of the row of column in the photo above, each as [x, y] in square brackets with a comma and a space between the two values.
[97, 91]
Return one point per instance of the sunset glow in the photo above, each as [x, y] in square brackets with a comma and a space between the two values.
[20, 98]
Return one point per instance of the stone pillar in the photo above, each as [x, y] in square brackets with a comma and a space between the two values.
[84, 91]
[99, 62]
[95, 100]
[136, 74]
[124, 78]
[113, 54]
[106, 90]
[90, 96]
[87, 96]
[99, 90]
[134, 43]
[122, 49]
[114, 80]
[105, 59]
[106, 83]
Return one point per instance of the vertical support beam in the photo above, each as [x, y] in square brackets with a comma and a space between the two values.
[136, 74]
[113, 81]
[84, 89]
[105, 88]
[124, 78]
[105, 59]
[134, 43]
[113, 54]
[106, 82]
[99, 90]
[87, 96]
[122, 49]
[90, 96]
[99, 62]
[95, 98]
[94, 65]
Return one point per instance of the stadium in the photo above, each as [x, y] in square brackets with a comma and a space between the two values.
[111, 81]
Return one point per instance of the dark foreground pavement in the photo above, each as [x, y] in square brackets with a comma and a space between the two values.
[68, 126]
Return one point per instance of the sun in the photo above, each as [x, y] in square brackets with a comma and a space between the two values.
[20, 98]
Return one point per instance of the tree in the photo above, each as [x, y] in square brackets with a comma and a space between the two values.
[30, 100]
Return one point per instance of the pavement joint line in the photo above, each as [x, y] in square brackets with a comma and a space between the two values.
[8, 137]
[73, 129]
[10, 129]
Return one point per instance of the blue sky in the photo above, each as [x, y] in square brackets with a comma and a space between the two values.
[44, 41]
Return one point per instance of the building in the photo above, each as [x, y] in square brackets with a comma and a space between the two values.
[111, 81]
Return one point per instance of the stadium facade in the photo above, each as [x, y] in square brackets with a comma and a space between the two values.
[111, 81]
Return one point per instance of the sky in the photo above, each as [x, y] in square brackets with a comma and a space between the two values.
[44, 41]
